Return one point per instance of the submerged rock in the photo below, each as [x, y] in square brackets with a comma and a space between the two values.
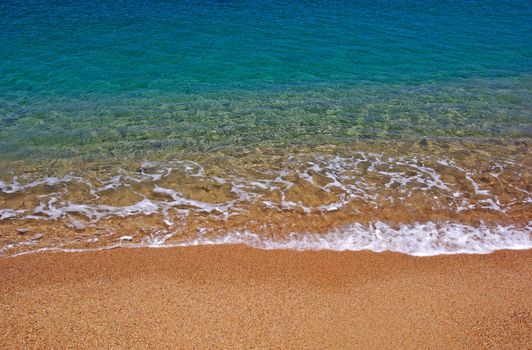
[22, 230]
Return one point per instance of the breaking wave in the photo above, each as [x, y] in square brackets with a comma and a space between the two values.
[420, 239]
[417, 204]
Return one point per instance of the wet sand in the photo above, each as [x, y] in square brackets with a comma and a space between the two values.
[238, 297]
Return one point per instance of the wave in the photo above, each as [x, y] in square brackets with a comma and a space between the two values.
[319, 183]
[415, 203]
[420, 239]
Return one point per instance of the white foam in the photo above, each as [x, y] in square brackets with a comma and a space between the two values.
[420, 239]
[16, 186]
[369, 177]
[9, 213]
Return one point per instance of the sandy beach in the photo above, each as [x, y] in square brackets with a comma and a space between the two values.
[237, 297]
[265, 175]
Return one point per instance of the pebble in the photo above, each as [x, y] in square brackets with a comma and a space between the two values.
[22, 230]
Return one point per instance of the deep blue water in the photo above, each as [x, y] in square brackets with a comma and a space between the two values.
[78, 73]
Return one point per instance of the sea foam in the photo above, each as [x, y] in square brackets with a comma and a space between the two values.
[420, 239]
[273, 196]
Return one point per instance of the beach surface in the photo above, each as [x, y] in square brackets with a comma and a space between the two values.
[232, 296]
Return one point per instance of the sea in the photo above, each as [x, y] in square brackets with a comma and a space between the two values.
[377, 125]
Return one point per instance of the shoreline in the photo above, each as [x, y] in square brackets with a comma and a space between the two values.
[233, 296]
[427, 195]
[299, 246]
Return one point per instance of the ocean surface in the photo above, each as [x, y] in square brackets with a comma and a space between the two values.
[380, 125]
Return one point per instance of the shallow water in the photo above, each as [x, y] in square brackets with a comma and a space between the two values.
[356, 125]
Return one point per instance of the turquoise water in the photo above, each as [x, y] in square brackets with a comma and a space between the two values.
[381, 125]
[80, 77]
[136, 47]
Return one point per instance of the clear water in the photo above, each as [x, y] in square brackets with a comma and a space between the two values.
[94, 89]
[74, 48]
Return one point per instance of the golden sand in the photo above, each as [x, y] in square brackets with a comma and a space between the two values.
[236, 297]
